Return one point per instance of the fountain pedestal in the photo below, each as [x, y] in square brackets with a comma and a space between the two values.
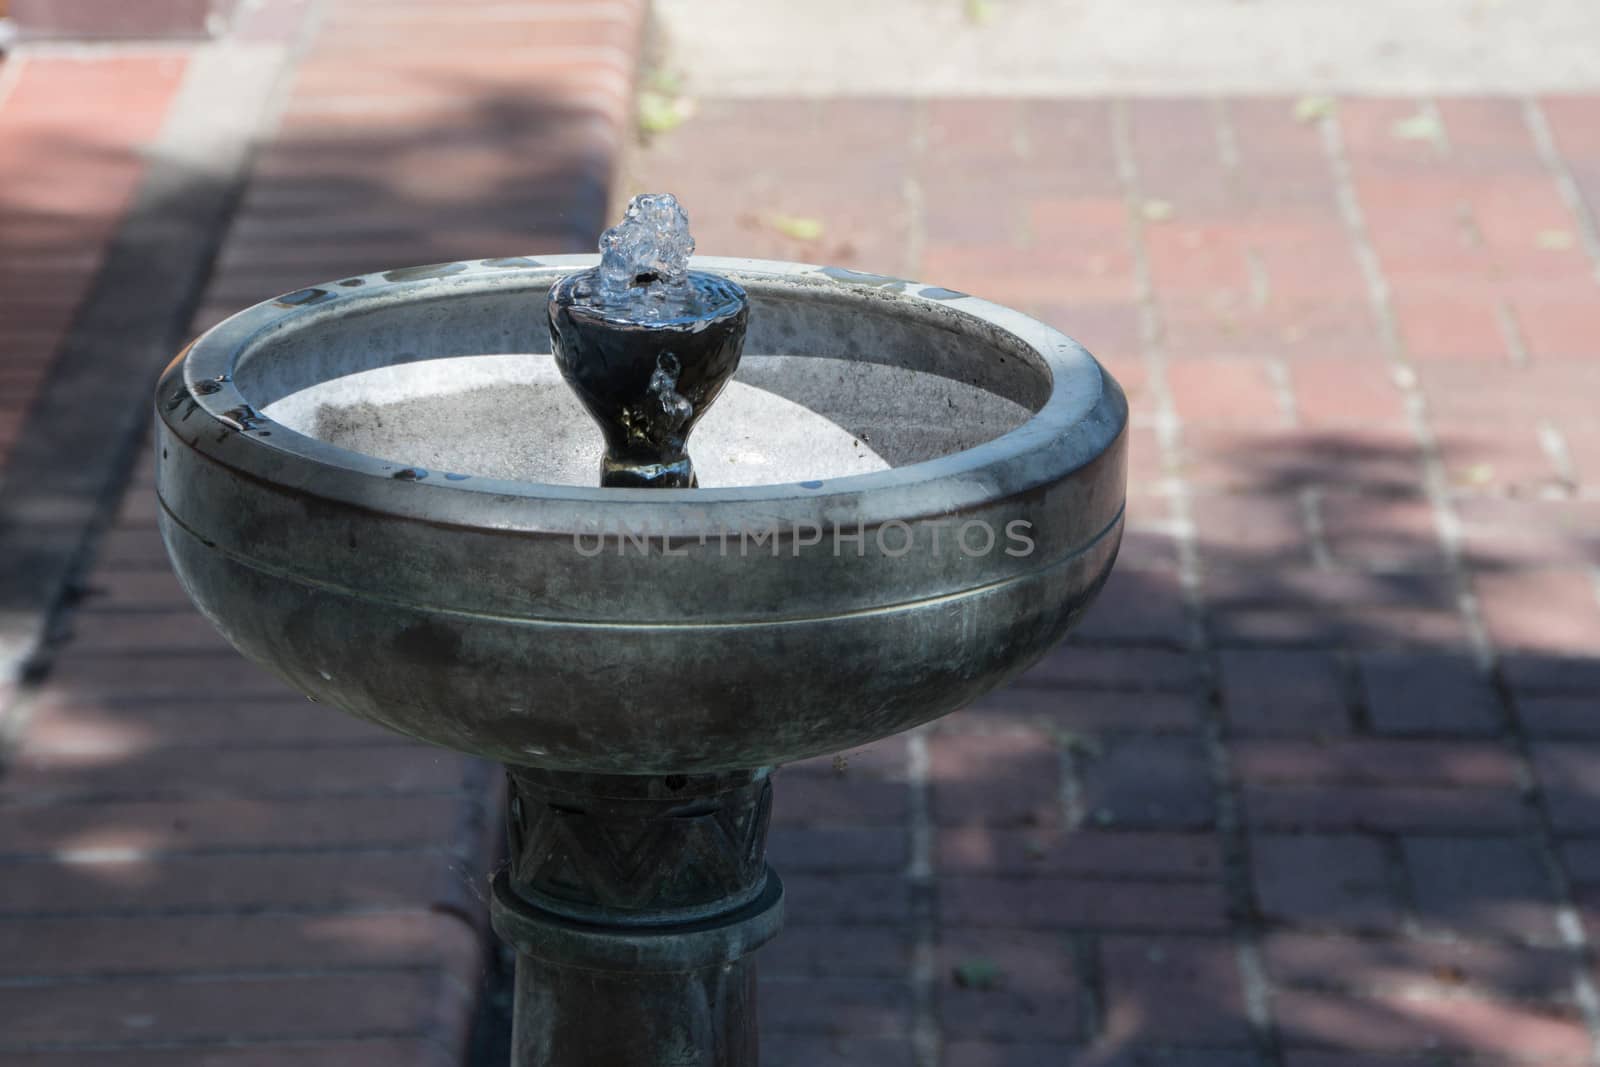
[634, 903]
[635, 692]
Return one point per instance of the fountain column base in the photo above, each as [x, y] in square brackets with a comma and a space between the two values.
[634, 903]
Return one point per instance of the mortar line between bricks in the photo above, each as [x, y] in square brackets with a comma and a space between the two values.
[216, 976]
[1091, 1002]
[201, 1043]
[42, 799]
[922, 976]
[95, 856]
[912, 191]
[1569, 925]
[652, 52]
[437, 1026]
[1226, 136]
[1309, 501]
[1554, 446]
[1239, 883]
[1551, 439]
[16, 803]
[16, 711]
[1070, 796]
[1544, 142]
[108, 49]
[184, 703]
[1236, 877]
[1283, 392]
[1380, 294]
[280, 912]
[10, 74]
[911, 194]
[1511, 332]
[512, 11]
[265, 745]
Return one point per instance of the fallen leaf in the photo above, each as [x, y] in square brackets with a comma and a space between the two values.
[798, 227]
[978, 12]
[978, 973]
[665, 81]
[660, 113]
[1555, 240]
[1423, 126]
[1158, 210]
[1478, 474]
[1310, 109]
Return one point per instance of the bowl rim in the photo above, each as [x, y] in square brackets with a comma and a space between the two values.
[1083, 415]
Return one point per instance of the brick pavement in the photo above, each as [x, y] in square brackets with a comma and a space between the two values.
[1313, 788]
[197, 866]
[1315, 785]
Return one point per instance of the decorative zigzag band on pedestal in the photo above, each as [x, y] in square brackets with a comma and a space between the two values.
[626, 850]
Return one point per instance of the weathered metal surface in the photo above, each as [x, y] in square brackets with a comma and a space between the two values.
[638, 849]
[632, 691]
[472, 613]
[634, 904]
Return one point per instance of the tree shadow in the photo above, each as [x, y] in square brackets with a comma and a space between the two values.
[1272, 800]
[1266, 798]
[188, 845]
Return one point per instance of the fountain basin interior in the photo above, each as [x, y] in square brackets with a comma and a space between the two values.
[787, 419]
[382, 489]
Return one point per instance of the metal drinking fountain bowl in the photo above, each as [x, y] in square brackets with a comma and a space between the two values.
[360, 487]
[468, 612]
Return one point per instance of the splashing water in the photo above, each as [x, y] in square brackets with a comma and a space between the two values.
[644, 260]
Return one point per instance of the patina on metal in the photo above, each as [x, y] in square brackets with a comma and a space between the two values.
[634, 902]
[638, 694]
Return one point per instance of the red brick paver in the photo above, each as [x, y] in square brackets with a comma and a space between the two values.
[198, 866]
[1314, 784]
[1313, 787]
[422, 133]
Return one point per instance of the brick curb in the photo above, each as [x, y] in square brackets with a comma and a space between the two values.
[71, 451]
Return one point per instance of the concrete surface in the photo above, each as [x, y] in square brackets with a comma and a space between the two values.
[754, 48]
[435, 414]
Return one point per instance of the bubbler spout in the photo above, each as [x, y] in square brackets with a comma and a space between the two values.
[647, 344]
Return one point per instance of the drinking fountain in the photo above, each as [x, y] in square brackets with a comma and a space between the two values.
[463, 501]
